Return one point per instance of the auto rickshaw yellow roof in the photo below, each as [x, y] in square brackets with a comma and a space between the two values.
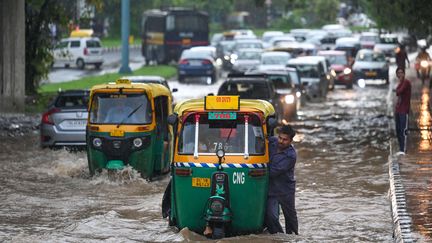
[81, 33]
[245, 105]
[153, 88]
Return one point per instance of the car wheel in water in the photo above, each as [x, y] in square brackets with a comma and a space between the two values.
[98, 65]
[80, 63]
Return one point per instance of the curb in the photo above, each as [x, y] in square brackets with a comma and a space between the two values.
[401, 219]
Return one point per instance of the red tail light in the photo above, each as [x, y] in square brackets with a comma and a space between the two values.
[205, 62]
[46, 117]
[85, 51]
[257, 172]
[184, 61]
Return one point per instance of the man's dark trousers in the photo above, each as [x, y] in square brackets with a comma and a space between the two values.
[401, 130]
[287, 203]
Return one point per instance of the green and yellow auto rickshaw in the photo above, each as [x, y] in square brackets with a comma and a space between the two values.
[127, 125]
[219, 169]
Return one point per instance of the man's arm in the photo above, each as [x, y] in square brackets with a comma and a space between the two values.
[280, 164]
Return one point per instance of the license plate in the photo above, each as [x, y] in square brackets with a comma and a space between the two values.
[200, 182]
[117, 133]
[74, 124]
[371, 73]
[195, 63]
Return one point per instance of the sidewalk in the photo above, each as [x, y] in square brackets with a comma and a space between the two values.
[411, 175]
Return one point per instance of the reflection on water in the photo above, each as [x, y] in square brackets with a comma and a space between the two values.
[424, 121]
[342, 185]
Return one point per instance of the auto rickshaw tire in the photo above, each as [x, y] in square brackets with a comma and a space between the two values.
[172, 222]
[218, 232]
[80, 63]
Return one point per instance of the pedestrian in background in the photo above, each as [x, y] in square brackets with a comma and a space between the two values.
[401, 56]
[403, 93]
[282, 182]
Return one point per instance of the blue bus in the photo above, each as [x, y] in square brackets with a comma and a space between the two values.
[166, 33]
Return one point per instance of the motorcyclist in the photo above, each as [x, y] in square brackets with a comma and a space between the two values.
[422, 55]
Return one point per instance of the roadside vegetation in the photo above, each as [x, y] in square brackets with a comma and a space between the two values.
[47, 92]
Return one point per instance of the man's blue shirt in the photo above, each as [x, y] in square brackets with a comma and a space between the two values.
[281, 167]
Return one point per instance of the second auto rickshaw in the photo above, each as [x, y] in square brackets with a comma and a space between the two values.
[219, 169]
[127, 125]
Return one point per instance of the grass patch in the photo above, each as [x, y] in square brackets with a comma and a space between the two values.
[47, 92]
[116, 42]
[88, 82]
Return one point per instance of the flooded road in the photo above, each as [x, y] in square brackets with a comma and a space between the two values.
[342, 184]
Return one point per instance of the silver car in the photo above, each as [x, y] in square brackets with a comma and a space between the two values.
[64, 122]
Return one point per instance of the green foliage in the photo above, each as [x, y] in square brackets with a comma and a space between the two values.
[414, 15]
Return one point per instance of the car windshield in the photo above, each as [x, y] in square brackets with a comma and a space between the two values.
[274, 60]
[371, 57]
[249, 55]
[371, 38]
[115, 108]
[388, 40]
[239, 46]
[226, 134]
[337, 59]
[72, 101]
[282, 81]
[308, 71]
[190, 54]
[246, 90]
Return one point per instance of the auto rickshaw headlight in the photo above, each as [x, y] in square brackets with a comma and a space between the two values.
[137, 142]
[220, 153]
[97, 142]
[216, 206]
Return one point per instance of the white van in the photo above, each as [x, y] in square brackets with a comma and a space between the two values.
[79, 51]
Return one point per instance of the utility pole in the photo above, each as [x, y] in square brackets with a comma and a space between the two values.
[125, 19]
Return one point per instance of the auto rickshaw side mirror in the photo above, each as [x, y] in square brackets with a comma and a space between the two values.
[271, 125]
[174, 90]
[172, 119]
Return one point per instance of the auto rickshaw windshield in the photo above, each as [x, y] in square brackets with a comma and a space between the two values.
[118, 108]
[229, 135]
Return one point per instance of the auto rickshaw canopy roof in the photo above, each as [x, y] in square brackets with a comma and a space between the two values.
[151, 88]
[245, 105]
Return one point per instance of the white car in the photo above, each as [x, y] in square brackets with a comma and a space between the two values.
[79, 51]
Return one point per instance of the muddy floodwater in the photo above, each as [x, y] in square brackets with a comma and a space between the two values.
[341, 171]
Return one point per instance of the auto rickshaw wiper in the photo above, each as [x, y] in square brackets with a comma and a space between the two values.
[130, 114]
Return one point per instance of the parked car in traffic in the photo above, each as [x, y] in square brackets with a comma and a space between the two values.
[79, 51]
[64, 121]
[371, 65]
[251, 87]
[387, 45]
[349, 44]
[288, 88]
[312, 76]
[274, 60]
[341, 67]
[368, 40]
[197, 64]
[245, 59]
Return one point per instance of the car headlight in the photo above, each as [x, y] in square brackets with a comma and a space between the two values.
[289, 99]
[347, 71]
[97, 142]
[333, 73]
[424, 64]
[234, 56]
[137, 142]
[216, 206]
[226, 57]
[298, 94]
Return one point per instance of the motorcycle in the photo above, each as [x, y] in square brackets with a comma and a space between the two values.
[423, 70]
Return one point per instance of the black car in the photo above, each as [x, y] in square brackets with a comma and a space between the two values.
[288, 87]
[252, 87]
